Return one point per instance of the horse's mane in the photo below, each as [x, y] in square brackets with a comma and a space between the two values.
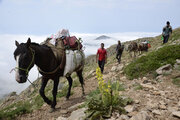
[38, 45]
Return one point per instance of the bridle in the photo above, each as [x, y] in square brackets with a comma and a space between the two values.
[27, 69]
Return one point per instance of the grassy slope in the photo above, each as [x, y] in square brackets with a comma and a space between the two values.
[13, 110]
[155, 58]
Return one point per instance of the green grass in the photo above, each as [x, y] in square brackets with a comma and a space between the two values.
[175, 35]
[137, 86]
[14, 110]
[120, 88]
[63, 92]
[176, 81]
[152, 61]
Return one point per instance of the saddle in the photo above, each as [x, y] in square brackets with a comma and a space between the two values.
[72, 43]
[61, 45]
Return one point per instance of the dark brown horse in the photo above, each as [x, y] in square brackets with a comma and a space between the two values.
[142, 47]
[132, 47]
[29, 54]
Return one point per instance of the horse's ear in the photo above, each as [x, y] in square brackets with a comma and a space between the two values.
[16, 43]
[28, 42]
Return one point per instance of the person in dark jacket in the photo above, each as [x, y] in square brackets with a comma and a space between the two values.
[167, 31]
[119, 50]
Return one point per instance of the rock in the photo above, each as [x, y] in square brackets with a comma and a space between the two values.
[179, 104]
[156, 93]
[61, 118]
[156, 112]
[172, 109]
[63, 111]
[136, 101]
[119, 67]
[141, 116]
[123, 78]
[148, 86]
[75, 106]
[78, 114]
[162, 107]
[144, 78]
[113, 68]
[166, 69]
[123, 117]
[159, 78]
[132, 113]
[178, 61]
[152, 105]
[176, 66]
[129, 108]
[91, 72]
[176, 114]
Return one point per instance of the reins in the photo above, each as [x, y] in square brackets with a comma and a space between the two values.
[27, 69]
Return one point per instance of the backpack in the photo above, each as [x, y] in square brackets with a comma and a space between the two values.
[72, 43]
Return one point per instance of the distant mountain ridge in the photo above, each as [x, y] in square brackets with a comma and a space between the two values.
[103, 37]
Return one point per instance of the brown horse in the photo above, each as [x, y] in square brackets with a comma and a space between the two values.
[29, 54]
[132, 47]
[142, 47]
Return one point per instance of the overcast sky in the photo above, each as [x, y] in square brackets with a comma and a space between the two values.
[119, 19]
[87, 16]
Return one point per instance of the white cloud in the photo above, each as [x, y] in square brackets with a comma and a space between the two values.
[7, 47]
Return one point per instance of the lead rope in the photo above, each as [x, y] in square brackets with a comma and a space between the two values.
[34, 85]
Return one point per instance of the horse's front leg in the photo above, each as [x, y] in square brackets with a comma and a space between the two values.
[41, 91]
[54, 92]
[69, 89]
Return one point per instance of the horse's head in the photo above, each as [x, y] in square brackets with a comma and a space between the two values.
[24, 56]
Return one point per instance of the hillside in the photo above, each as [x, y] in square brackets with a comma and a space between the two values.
[102, 37]
[155, 96]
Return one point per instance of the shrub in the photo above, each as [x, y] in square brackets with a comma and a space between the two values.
[152, 61]
[14, 110]
[176, 81]
[106, 99]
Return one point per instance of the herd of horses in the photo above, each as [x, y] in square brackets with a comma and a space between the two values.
[135, 47]
[29, 54]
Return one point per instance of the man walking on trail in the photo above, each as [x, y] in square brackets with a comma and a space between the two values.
[101, 57]
[167, 31]
[119, 50]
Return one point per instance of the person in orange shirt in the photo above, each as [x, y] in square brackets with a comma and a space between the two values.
[101, 57]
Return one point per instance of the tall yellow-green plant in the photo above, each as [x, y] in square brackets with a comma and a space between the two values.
[108, 100]
[105, 89]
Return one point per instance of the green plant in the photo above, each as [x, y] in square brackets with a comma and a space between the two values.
[137, 86]
[176, 81]
[152, 61]
[14, 110]
[105, 99]
[63, 92]
[76, 83]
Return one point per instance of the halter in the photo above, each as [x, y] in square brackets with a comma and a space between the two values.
[27, 69]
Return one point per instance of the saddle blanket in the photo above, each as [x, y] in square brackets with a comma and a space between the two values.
[74, 61]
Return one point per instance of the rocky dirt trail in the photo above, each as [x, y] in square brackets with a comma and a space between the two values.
[154, 98]
[64, 107]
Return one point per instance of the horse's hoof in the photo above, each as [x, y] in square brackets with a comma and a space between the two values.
[83, 95]
[51, 110]
[67, 99]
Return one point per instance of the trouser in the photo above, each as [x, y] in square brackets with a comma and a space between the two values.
[118, 57]
[101, 65]
[165, 40]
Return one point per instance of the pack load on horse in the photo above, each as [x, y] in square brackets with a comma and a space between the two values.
[53, 62]
[144, 46]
